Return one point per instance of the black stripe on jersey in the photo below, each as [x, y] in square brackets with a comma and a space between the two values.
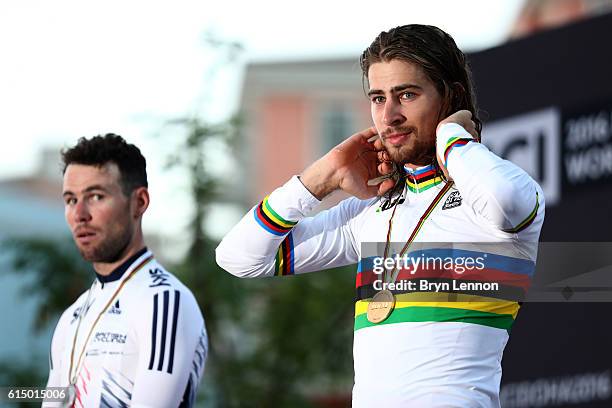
[200, 353]
[188, 395]
[167, 316]
[177, 300]
[104, 403]
[200, 358]
[153, 332]
[110, 393]
[162, 348]
[114, 381]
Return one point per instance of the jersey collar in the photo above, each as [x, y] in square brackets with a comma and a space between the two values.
[423, 178]
[120, 270]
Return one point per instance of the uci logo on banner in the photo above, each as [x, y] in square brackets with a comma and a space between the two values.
[531, 141]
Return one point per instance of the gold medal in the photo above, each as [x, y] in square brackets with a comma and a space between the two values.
[381, 306]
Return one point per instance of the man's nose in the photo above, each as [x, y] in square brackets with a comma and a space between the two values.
[81, 212]
[392, 114]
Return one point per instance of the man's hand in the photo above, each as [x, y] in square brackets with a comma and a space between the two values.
[464, 119]
[349, 166]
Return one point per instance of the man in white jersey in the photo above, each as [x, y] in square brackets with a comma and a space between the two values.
[137, 337]
[422, 167]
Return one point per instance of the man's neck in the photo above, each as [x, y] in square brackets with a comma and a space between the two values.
[106, 268]
[421, 161]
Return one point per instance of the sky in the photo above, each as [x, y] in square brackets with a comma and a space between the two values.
[80, 68]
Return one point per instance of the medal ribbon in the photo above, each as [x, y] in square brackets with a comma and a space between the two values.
[415, 231]
[72, 378]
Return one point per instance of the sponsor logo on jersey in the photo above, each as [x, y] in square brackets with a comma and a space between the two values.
[78, 310]
[158, 277]
[109, 337]
[115, 309]
[453, 200]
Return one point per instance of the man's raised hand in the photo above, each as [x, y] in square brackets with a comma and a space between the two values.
[349, 166]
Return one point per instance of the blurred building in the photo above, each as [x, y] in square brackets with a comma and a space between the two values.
[295, 112]
[29, 207]
[540, 15]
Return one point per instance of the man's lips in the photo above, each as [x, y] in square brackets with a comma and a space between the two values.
[397, 138]
[84, 235]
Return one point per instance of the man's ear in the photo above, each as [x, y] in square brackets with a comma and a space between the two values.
[140, 198]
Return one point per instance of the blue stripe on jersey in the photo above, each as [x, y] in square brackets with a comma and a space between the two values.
[112, 378]
[162, 348]
[106, 388]
[420, 171]
[177, 299]
[153, 332]
[169, 328]
[200, 358]
[104, 403]
[188, 395]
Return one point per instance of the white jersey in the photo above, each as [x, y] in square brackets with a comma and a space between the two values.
[144, 347]
[425, 354]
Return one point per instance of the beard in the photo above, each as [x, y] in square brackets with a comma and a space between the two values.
[111, 248]
[416, 150]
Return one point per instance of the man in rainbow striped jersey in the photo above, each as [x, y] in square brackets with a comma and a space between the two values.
[419, 175]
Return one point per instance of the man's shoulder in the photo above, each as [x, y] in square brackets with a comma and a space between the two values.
[155, 280]
[156, 292]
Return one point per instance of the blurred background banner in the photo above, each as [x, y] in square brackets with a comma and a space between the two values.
[549, 99]
[227, 101]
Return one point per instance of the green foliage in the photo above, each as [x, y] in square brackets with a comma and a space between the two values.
[58, 265]
[278, 342]
[20, 374]
[56, 275]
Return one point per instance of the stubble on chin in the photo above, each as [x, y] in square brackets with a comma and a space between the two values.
[110, 250]
[409, 155]
[419, 154]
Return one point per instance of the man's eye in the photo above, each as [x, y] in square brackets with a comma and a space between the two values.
[97, 197]
[70, 201]
[408, 95]
[378, 99]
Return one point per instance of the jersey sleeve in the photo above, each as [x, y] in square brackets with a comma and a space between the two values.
[172, 347]
[277, 238]
[58, 343]
[501, 192]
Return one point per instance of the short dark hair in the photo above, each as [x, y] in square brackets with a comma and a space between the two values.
[436, 53]
[110, 148]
